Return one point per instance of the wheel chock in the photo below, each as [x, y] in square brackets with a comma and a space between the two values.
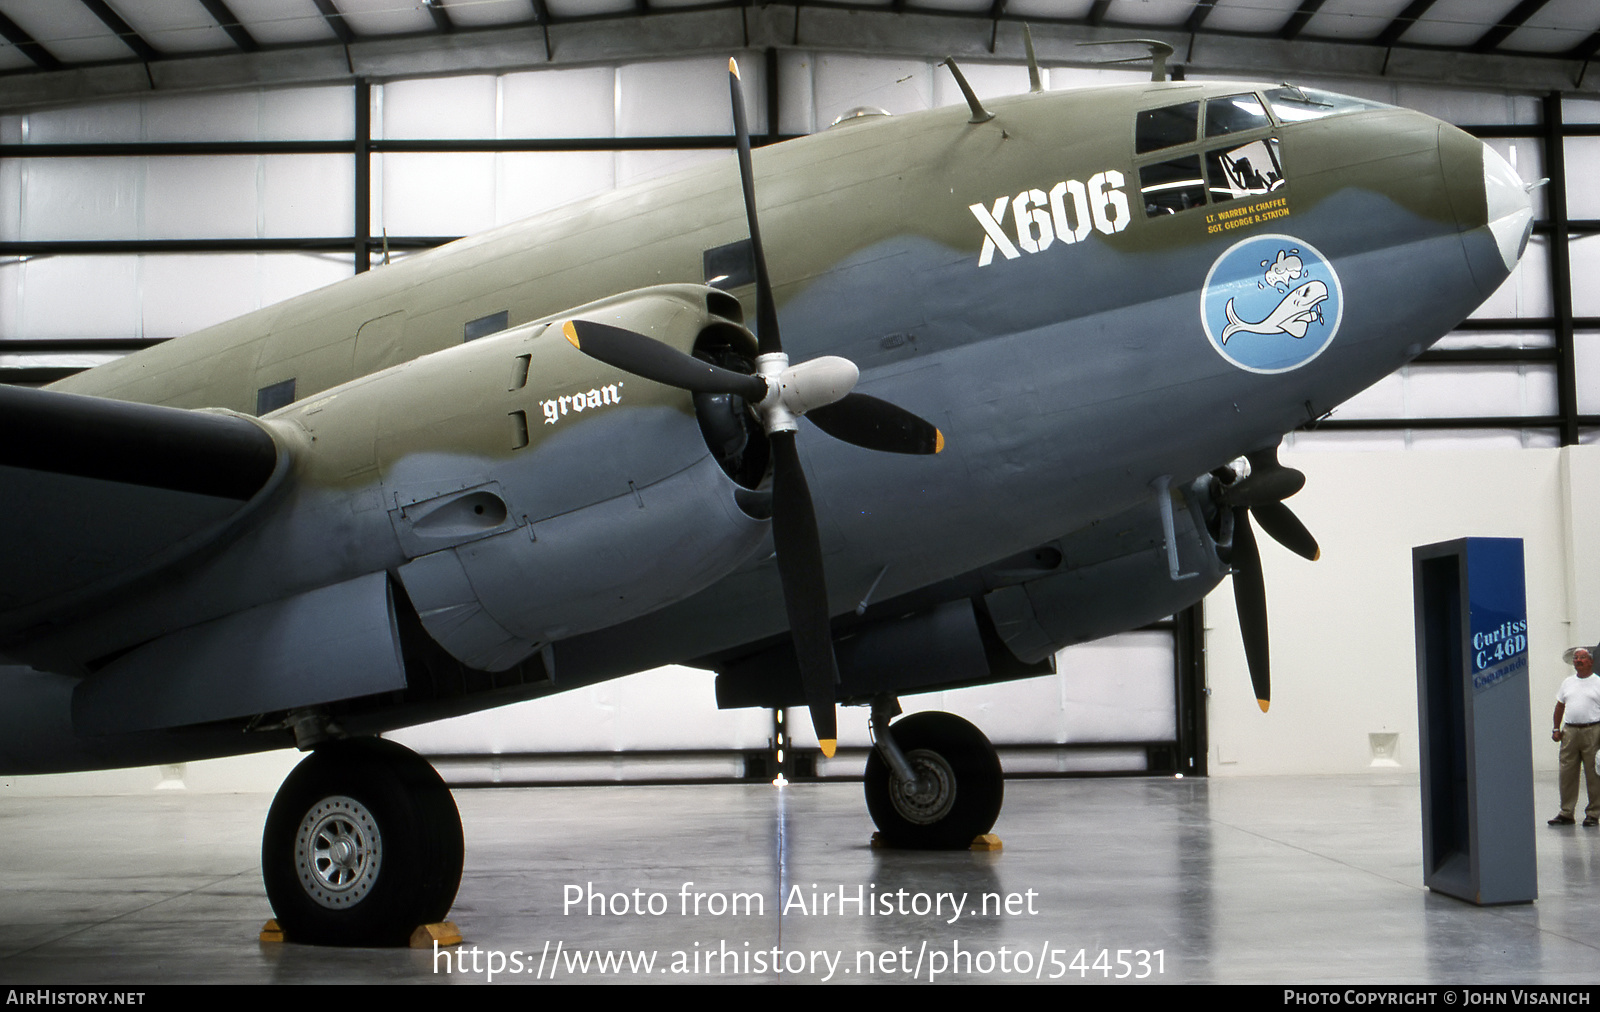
[271, 932]
[442, 932]
[986, 842]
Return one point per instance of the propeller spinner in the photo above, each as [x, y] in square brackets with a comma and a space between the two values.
[779, 393]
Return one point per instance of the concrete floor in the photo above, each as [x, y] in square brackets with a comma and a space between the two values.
[1266, 880]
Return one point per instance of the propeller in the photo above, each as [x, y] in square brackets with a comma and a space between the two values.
[1261, 496]
[779, 393]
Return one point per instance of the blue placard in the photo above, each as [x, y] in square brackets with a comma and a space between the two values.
[1497, 644]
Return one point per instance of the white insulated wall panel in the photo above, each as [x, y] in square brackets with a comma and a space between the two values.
[579, 102]
[438, 107]
[841, 82]
[1344, 663]
[433, 193]
[72, 296]
[687, 97]
[529, 182]
[669, 708]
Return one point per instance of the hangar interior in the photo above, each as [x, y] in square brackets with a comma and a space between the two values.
[190, 166]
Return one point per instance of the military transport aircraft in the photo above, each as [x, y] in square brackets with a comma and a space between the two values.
[1028, 341]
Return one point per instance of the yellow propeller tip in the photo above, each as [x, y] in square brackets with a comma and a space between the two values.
[938, 441]
[829, 746]
[1317, 556]
[1263, 704]
[733, 67]
[572, 334]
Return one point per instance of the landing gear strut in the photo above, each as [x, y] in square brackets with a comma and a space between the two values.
[362, 844]
[934, 782]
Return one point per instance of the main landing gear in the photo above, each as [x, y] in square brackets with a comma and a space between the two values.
[363, 844]
[933, 781]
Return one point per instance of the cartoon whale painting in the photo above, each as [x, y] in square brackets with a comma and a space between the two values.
[1291, 316]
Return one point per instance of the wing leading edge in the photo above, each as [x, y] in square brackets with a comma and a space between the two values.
[98, 492]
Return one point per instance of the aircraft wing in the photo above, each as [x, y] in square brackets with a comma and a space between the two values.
[98, 492]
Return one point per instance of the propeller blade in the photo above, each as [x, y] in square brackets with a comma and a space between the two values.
[877, 425]
[805, 591]
[664, 364]
[1266, 484]
[1250, 598]
[766, 309]
[1285, 528]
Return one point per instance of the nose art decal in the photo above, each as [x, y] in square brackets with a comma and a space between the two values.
[1271, 303]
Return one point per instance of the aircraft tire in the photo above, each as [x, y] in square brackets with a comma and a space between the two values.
[970, 785]
[362, 844]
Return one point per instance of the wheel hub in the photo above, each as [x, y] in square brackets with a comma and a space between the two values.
[931, 796]
[338, 852]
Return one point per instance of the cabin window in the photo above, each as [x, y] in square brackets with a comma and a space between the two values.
[1235, 114]
[483, 326]
[1166, 127]
[274, 397]
[1172, 186]
[731, 266]
[1245, 170]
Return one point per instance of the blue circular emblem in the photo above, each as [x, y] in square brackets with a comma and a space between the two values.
[1271, 303]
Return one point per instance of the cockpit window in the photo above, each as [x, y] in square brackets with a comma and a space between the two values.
[1245, 170]
[1296, 105]
[1166, 127]
[1234, 114]
[1172, 186]
[1235, 156]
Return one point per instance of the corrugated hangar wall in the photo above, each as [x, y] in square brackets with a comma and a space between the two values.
[1476, 439]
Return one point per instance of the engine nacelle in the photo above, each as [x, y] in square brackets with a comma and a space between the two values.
[536, 493]
[1126, 582]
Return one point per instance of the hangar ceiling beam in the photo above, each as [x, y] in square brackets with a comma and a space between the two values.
[1586, 49]
[1403, 21]
[996, 11]
[1297, 21]
[27, 45]
[1197, 16]
[541, 17]
[229, 23]
[335, 19]
[123, 30]
[717, 31]
[1513, 20]
[441, 17]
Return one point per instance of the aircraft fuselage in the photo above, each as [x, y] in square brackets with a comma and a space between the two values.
[1084, 315]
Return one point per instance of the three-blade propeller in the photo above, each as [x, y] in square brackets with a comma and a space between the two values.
[1261, 496]
[822, 389]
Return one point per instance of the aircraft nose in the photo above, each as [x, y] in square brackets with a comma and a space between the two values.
[1493, 207]
[1508, 205]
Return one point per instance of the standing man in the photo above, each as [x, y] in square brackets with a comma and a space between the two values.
[1579, 702]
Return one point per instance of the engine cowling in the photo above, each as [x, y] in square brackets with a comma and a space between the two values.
[1120, 578]
[537, 494]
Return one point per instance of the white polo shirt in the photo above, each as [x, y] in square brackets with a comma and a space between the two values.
[1582, 698]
